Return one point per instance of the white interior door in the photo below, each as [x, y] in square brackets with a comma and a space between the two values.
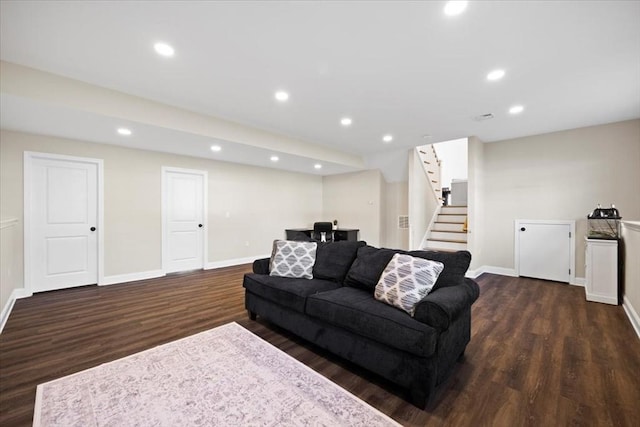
[544, 250]
[62, 223]
[184, 219]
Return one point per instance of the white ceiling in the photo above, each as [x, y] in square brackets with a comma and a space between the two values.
[395, 67]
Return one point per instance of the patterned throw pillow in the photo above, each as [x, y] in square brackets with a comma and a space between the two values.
[293, 259]
[406, 280]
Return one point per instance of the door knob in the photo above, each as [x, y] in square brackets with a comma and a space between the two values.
[522, 229]
[92, 229]
[200, 225]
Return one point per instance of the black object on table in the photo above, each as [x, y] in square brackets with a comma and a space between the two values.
[350, 234]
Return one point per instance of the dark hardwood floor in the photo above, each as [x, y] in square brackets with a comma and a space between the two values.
[539, 355]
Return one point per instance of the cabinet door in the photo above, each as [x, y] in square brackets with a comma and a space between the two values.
[602, 271]
[544, 250]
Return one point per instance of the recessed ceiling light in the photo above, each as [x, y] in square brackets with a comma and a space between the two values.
[516, 109]
[163, 49]
[426, 136]
[274, 158]
[216, 148]
[453, 8]
[124, 131]
[282, 96]
[346, 121]
[317, 166]
[495, 75]
[387, 138]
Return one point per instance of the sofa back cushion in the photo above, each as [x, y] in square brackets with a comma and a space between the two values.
[367, 267]
[371, 262]
[456, 265]
[333, 259]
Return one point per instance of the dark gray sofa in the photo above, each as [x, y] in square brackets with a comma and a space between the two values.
[337, 311]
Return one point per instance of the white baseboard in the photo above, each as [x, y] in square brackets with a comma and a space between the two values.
[131, 277]
[152, 274]
[6, 310]
[605, 299]
[235, 261]
[632, 314]
[578, 281]
[472, 274]
[492, 270]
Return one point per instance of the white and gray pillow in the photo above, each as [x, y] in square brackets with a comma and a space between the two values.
[293, 259]
[406, 280]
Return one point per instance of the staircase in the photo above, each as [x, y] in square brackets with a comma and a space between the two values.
[449, 231]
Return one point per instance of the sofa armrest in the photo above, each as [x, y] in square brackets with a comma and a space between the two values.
[261, 266]
[444, 305]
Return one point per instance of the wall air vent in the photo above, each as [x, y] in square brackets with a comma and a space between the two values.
[403, 222]
[482, 117]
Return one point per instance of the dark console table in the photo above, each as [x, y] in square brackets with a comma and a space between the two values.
[339, 234]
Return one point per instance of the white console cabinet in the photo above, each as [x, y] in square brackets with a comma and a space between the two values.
[602, 271]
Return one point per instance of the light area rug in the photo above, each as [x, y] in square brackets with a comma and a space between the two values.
[226, 376]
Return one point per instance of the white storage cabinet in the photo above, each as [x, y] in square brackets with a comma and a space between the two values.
[602, 271]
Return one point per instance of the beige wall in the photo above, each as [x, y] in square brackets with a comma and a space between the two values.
[631, 277]
[476, 230]
[355, 200]
[560, 175]
[395, 204]
[261, 202]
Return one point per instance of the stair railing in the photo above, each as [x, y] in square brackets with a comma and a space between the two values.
[424, 201]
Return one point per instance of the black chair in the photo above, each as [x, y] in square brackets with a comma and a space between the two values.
[323, 231]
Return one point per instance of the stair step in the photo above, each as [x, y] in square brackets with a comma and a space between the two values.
[441, 245]
[447, 240]
[448, 226]
[448, 236]
[453, 210]
[451, 218]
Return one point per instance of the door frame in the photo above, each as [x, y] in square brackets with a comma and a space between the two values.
[164, 215]
[29, 158]
[572, 256]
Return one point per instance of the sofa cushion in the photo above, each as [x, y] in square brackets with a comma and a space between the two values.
[293, 259]
[289, 292]
[456, 265]
[356, 310]
[367, 267]
[406, 280]
[333, 259]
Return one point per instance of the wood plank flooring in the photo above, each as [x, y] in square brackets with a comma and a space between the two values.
[540, 355]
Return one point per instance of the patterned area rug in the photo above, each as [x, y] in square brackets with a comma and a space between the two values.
[226, 376]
